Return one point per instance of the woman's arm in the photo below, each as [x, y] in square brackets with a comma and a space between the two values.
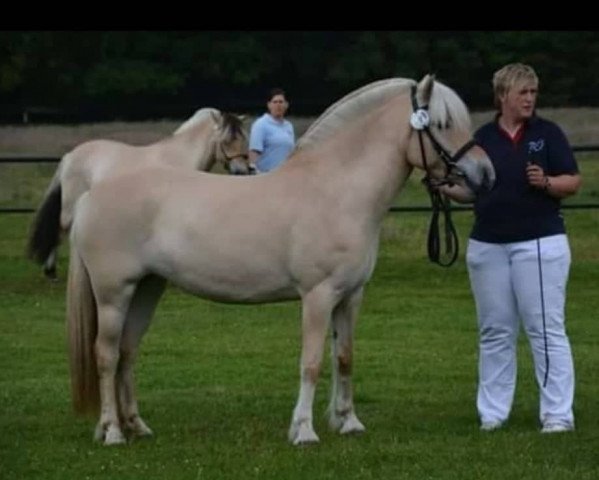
[254, 156]
[558, 186]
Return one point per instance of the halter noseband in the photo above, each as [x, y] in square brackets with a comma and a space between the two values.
[420, 121]
[230, 158]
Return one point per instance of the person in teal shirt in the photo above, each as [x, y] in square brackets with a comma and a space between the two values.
[272, 137]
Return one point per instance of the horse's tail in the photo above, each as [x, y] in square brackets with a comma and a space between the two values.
[82, 328]
[45, 232]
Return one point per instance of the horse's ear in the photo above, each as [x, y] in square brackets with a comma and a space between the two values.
[217, 117]
[425, 88]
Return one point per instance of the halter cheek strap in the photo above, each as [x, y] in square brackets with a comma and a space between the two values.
[420, 121]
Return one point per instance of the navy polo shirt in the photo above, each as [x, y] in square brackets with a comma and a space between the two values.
[514, 211]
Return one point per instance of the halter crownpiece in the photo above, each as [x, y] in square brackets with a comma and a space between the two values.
[420, 119]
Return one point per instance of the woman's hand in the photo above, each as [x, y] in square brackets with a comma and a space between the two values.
[536, 176]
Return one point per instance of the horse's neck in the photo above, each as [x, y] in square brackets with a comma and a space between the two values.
[193, 148]
[366, 163]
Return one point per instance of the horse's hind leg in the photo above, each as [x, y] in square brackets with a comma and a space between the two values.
[316, 313]
[341, 409]
[50, 266]
[140, 313]
[111, 320]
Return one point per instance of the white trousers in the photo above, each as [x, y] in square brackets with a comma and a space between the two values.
[522, 281]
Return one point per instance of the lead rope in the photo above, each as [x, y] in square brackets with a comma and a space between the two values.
[439, 203]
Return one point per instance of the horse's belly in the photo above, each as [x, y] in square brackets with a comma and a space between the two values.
[234, 294]
[234, 282]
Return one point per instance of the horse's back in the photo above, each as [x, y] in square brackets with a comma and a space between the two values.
[102, 156]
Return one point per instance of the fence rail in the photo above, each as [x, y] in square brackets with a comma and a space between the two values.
[393, 208]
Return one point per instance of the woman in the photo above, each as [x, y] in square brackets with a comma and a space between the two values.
[518, 254]
[272, 137]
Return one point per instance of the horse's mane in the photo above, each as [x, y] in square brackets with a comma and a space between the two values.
[196, 118]
[445, 108]
[351, 107]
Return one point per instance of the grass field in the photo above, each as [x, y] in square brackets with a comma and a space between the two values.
[217, 383]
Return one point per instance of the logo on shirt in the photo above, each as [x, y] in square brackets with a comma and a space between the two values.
[536, 146]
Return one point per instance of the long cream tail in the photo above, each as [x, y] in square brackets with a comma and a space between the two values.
[82, 328]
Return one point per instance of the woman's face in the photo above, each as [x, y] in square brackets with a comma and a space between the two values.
[519, 102]
[277, 106]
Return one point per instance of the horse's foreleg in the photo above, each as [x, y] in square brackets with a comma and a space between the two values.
[140, 313]
[316, 312]
[341, 409]
[111, 318]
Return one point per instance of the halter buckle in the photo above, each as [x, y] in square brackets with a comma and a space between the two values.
[420, 119]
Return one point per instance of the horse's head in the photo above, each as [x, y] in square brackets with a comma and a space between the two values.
[231, 145]
[441, 140]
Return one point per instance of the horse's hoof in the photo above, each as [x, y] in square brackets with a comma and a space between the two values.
[302, 434]
[352, 425]
[138, 428]
[346, 423]
[114, 436]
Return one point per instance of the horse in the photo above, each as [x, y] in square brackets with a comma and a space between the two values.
[310, 232]
[209, 136]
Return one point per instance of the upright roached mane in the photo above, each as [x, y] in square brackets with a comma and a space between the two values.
[445, 108]
[197, 118]
[310, 231]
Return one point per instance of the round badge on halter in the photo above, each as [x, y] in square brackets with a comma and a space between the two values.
[420, 119]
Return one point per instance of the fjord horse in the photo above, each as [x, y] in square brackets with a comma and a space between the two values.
[310, 231]
[209, 136]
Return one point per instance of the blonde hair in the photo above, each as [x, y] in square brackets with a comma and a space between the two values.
[509, 75]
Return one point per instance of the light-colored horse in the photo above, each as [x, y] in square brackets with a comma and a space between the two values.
[209, 136]
[310, 231]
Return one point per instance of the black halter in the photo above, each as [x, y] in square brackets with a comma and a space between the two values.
[420, 122]
[229, 158]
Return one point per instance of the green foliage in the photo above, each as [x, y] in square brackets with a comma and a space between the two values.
[316, 67]
[131, 77]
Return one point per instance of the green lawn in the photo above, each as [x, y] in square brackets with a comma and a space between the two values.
[217, 383]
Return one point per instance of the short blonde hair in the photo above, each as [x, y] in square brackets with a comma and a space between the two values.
[509, 75]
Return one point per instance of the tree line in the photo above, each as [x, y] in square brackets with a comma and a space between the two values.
[154, 71]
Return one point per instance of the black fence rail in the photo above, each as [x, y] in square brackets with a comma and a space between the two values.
[393, 208]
